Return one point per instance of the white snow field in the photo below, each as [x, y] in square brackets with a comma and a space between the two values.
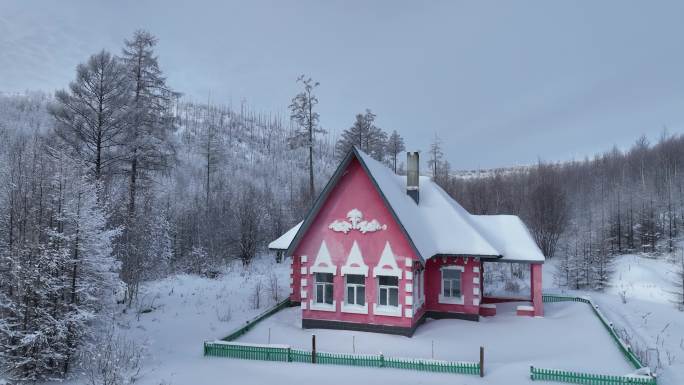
[512, 343]
[188, 310]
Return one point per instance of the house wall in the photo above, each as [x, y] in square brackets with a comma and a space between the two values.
[295, 279]
[355, 190]
[470, 285]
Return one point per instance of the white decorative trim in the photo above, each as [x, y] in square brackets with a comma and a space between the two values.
[355, 264]
[391, 311]
[476, 269]
[409, 288]
[291, 290]
[476, 301]
[303, 282]
[356, 309]
[303, 294]
[476, 291]
[323, 262]
[322, 306]
[387, 259]
[525, 308]
[409, 300]
[476, 280]
[356, 222]
[408, 313]
[291, 280]
[302, 270]
[408, 262]
[304, 258]
[451, 300]
[488, 305]
[408, 275]
[303, 305]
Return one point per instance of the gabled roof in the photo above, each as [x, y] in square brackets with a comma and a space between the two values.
[437, 225]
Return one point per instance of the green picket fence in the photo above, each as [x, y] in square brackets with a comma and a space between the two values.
[250, 324]
[624, 348]
[247, 352]
[287, 354]
[587, 378]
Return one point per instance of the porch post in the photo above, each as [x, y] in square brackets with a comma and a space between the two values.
[536, 289]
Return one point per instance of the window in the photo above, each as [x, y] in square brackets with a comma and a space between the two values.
[388, 291]
[451, 283]
[324, 288]
[356, 290]
[418, 288]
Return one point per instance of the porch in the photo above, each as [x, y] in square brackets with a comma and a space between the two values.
[526, 304]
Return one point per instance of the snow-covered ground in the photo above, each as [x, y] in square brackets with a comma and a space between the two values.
[187, 310]
[638, 303]
[512, 343]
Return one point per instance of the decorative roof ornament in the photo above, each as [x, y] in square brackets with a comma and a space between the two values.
[356, 222]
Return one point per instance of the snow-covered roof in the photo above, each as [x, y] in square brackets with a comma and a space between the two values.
[438, 225]
[283, 242]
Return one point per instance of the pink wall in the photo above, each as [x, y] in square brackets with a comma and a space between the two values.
[536, 289]
[469, 281]
[355, 190]
[295, 276]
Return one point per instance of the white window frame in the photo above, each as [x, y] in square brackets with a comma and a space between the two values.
[354, 307]
[389, 310]
[451, 300]
[418, 294]
[315, 305]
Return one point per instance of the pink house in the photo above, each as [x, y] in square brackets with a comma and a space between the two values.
[383, 252]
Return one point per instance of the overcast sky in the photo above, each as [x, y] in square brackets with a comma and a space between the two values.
[502, 83]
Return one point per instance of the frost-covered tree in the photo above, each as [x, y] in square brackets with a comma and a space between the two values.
[365, 135]
[547, 213]
[92, 116]
[307, 120]
[149, 142]
[395, 145]
[60, 274]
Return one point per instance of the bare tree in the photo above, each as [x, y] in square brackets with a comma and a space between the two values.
[365, 135]
[548, 211]
[395, 145]
[302, 112]
[92, 115]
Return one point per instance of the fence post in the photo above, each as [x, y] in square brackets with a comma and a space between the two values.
[289, 358]
[532, 373]
[481, 361]
[313, 348]
[382, 360]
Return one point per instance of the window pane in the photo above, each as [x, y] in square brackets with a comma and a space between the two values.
[394, 297]
[324, 277]
[388, 281]
[355, 279]
[457, 289]
[329, 293]
[350, 294]
[383, 297]
[361, 295]
[451, 273]
[319, 293]
[447, 291]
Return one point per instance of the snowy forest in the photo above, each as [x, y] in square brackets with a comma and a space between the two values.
[118, 179]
